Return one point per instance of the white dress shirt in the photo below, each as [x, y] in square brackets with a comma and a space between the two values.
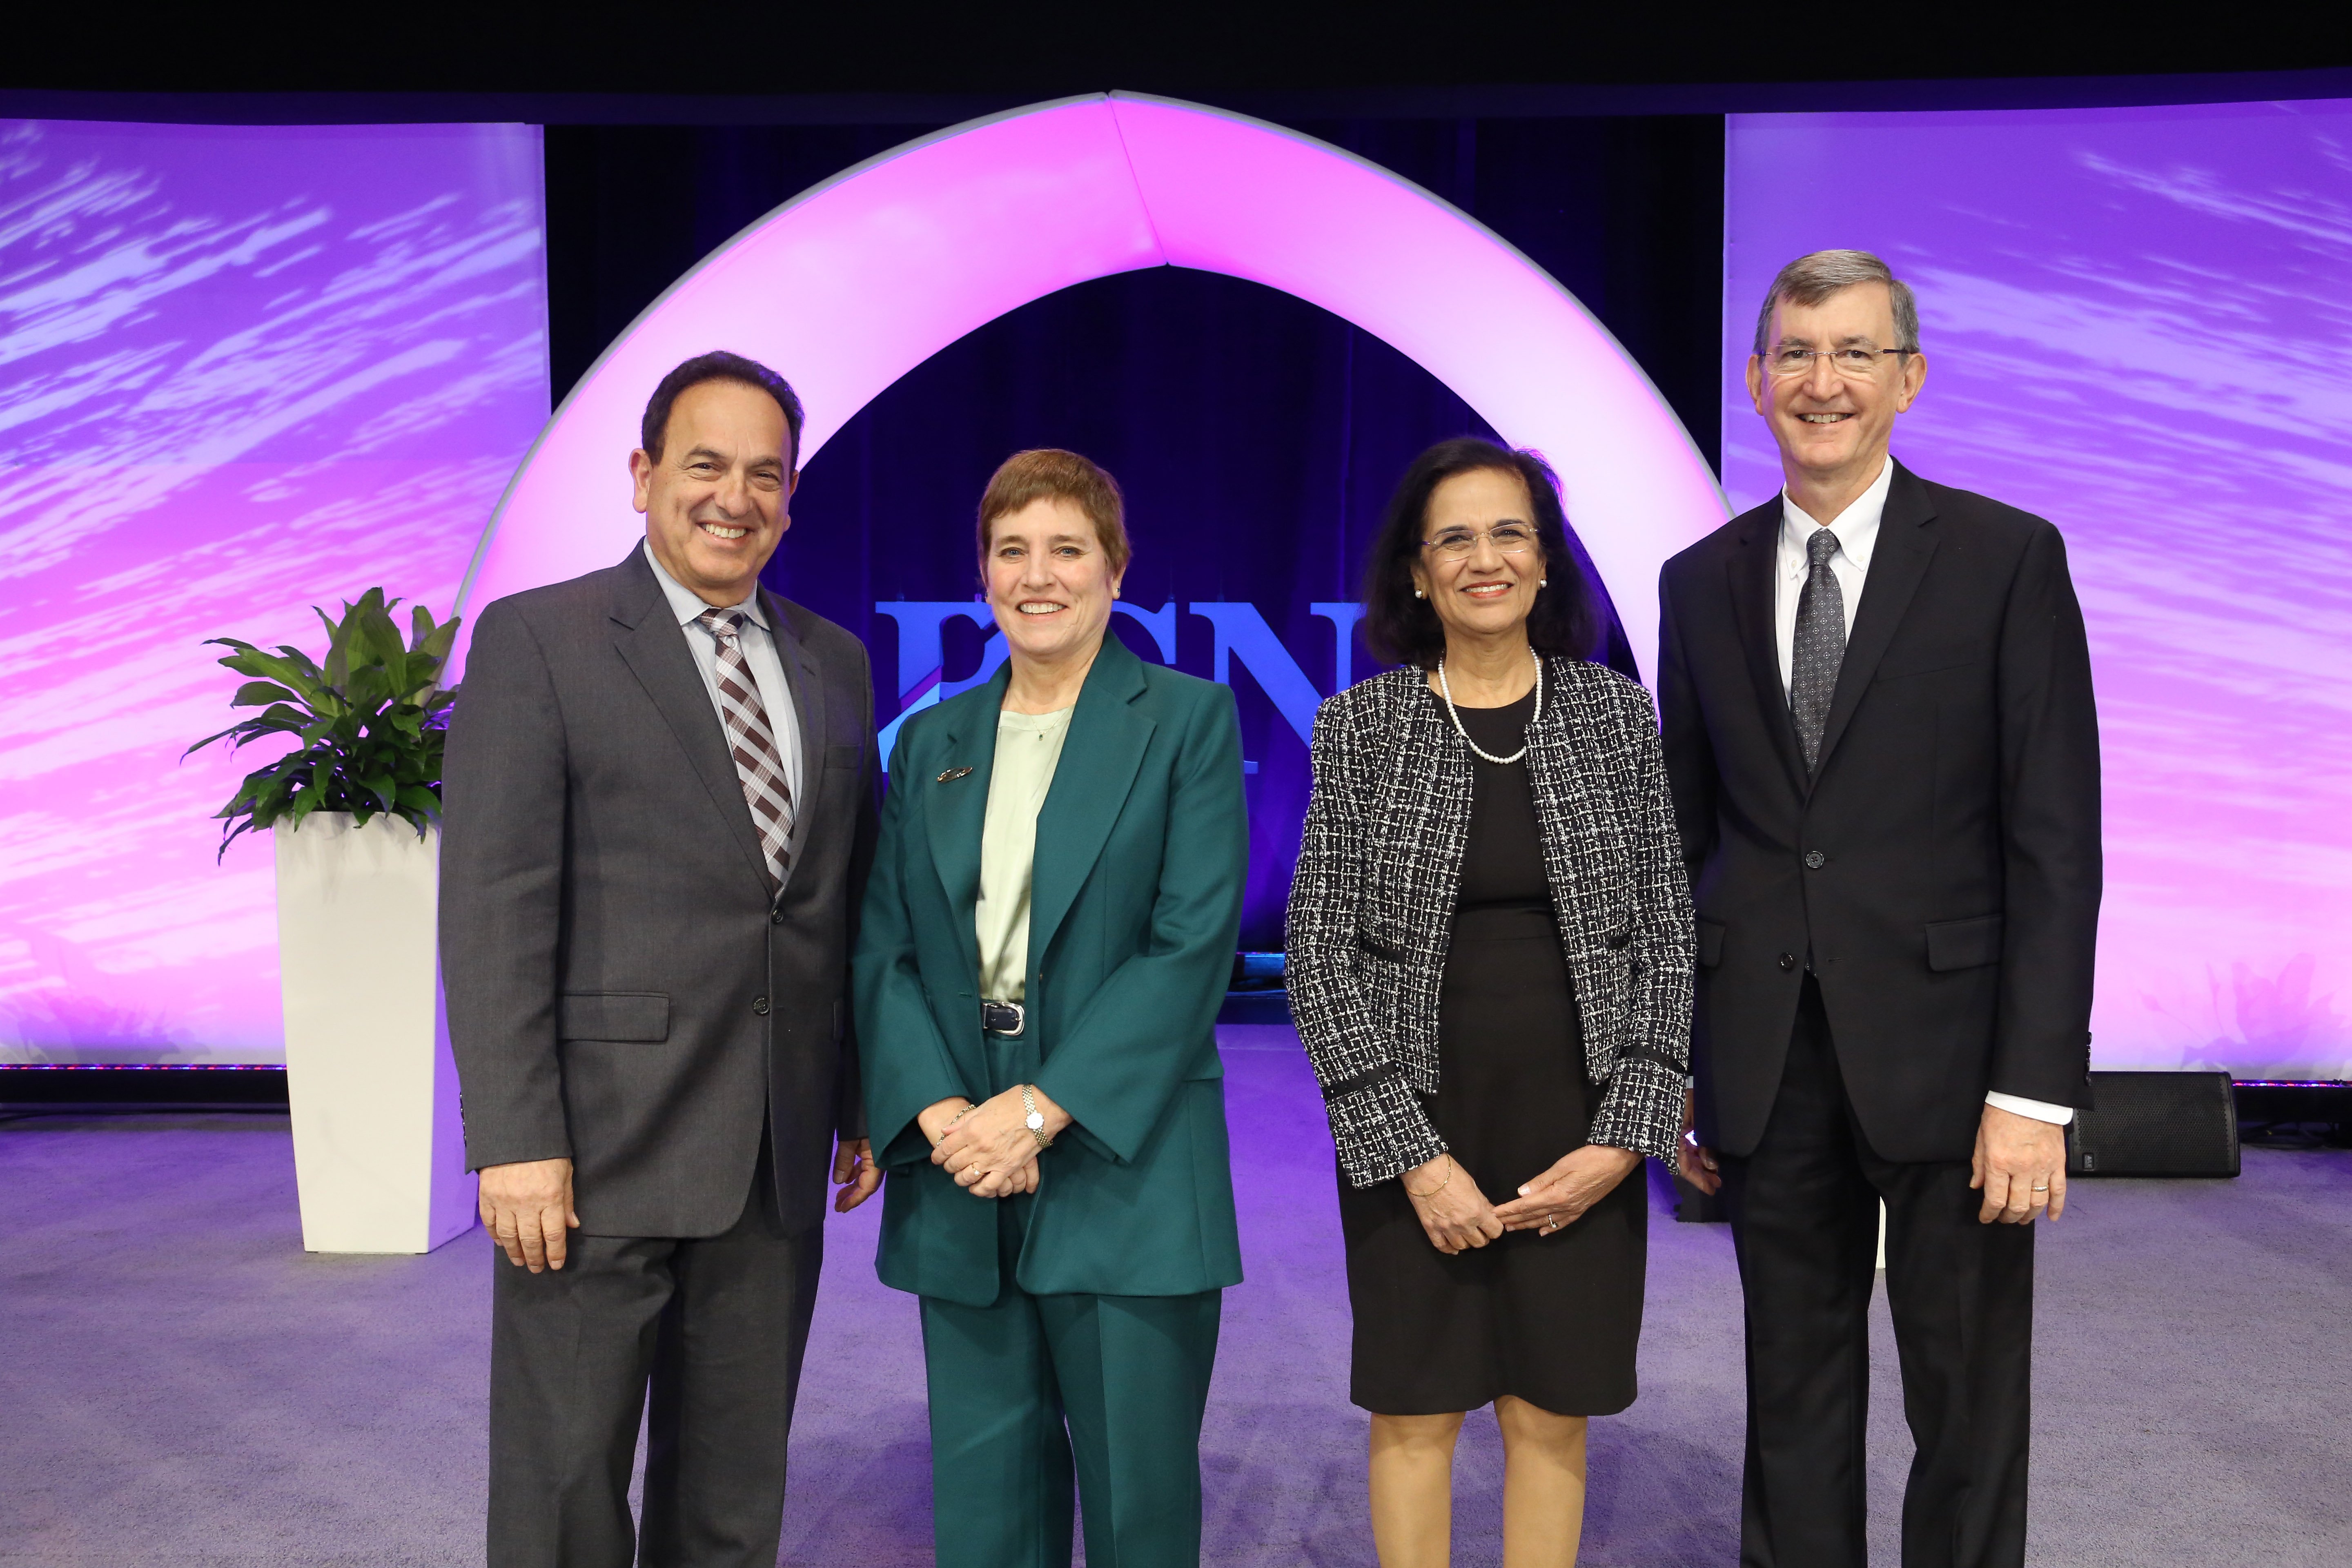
[758, 645]
[1857, 535]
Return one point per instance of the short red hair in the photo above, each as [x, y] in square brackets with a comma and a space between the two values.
[1049, 473]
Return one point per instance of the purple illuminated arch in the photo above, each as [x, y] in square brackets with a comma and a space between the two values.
[854, 283]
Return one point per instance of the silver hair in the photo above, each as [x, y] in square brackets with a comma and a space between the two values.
[1810, 279]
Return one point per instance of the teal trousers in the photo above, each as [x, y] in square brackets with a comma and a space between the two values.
[1032, 1393]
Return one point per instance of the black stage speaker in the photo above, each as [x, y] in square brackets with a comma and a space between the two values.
[2155, 1124]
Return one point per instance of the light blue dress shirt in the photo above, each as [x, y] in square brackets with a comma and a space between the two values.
[759, 642]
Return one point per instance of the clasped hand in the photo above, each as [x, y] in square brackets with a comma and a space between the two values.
[1576, 1181]
[988, 1148]
[1457, 1215]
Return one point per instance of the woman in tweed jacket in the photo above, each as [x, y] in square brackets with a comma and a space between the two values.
[1490, 949]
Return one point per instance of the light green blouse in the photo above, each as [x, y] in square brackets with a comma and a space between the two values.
[1028, 750]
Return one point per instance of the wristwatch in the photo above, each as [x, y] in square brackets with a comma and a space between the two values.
[1036, 1120]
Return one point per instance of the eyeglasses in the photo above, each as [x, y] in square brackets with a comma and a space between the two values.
[1457, 543]
[1853, 363]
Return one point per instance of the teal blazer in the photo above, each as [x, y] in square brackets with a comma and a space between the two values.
[1143, 850]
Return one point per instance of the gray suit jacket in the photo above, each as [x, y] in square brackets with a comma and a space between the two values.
[621, 987]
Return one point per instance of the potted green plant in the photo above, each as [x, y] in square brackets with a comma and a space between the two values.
[371, 721]
[353, 808]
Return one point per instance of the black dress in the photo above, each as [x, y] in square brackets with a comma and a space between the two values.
[1552, 1319]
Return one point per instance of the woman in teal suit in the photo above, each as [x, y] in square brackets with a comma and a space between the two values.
[1046, 937]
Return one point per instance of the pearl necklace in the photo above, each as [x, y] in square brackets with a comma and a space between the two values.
[1447, 692]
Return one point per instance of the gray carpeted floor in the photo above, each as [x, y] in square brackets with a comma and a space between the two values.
[181, 1384]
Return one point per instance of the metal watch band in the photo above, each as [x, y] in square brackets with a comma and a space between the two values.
[1036, 1118]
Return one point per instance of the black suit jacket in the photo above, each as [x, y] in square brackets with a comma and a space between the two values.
[1942, 864]
[621, 989]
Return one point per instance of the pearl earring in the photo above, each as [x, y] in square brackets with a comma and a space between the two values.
[1419, 595]
[1543, 582]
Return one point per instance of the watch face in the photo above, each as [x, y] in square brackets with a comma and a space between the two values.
[1035, 1120]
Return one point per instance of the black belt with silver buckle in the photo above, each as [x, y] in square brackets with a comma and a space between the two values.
[1006, 1018]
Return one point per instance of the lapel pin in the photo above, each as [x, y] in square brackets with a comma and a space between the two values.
[952, 775]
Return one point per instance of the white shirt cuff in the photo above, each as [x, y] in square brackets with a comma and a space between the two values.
[2040, 1109]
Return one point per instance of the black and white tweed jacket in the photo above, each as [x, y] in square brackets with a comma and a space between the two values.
[1371, 906]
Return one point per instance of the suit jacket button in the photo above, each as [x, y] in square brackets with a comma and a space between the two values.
[775, 917]
[1815, 859]
[1788, 961]
[760, 1004]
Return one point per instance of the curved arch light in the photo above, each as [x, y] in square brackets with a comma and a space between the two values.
[852, 284]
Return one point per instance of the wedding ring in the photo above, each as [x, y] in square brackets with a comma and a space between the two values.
[2043, 1188]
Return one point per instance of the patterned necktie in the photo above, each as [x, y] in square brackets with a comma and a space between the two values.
[1820, 646]
[752, 744]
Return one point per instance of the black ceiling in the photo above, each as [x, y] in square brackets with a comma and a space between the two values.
[849, 60]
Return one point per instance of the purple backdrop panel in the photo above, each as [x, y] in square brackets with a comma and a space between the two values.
[242, 372]
[2138, 325]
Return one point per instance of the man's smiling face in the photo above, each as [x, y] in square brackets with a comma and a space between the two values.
[715, 500]
[1828, 425]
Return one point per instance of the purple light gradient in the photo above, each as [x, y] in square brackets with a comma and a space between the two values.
[2139, 325]
[849, 286]
[242, 372]
[245, 371]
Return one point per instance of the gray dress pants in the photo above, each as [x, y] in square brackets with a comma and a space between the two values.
[714, 1330]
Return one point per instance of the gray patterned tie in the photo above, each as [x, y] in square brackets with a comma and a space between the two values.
[1820, 646]
[752, 744]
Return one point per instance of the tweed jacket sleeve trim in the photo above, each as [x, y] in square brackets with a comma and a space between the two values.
[1642, 1108]
[1378, 1075]
[1378, 1122]
[1381, 1130]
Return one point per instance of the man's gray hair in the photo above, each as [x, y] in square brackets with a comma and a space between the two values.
[1810, 279]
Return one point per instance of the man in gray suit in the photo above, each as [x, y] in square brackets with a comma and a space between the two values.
[659, 812]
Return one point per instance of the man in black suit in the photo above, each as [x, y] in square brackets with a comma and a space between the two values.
[1876, 697]
[659, 813]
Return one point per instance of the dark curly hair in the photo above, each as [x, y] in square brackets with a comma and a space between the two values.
[1403, 629]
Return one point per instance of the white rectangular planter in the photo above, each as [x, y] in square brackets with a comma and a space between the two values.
[379, 1152]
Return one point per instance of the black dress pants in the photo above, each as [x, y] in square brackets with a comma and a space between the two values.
[715, 1329]
[1804, 1215]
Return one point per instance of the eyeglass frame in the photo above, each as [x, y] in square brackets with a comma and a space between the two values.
[1469, 542]
[1773, 368]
